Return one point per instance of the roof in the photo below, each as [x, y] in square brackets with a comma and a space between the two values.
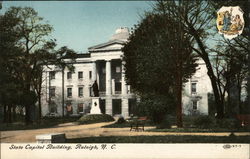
[121, 33]
[83, 55]
[99, 46]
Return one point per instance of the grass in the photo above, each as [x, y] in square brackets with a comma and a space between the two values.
[200, 130]
[162, 139]
[44, 123]
[95, 118]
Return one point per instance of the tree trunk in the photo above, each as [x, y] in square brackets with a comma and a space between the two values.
[39, 107]
[28, 107]
[5, 118]
[179, 105]
[204, 55]
[218, 101]
[39, 98]
[27, 114]
[239, 98]
[9, 114]
[14, 112]
[63, 91]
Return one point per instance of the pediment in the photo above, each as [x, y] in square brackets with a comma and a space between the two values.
[111, 45]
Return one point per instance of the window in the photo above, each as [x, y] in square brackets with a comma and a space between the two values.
[80, 108]
[69, 92]
[118, 86]
[69, 108]
[193, 88]
[195, 105]
[69, 75]
[90, 74]
[52, 75]
[52, 107]
[52, 92]
[118, 69]
[90, 92]
[103, 70]
[80, 75]
[80, 91]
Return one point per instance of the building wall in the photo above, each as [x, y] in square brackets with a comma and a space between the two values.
[203, 87]
[73, 83]
[102, 62]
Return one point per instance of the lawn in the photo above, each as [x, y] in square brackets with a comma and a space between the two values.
[188, 126]
[200, 130]
[44, 123]
[162, 139]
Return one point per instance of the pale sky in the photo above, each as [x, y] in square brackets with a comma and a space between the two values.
[82, 24]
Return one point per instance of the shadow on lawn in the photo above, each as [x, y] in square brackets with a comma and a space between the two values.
[44, 123]
[162, 139]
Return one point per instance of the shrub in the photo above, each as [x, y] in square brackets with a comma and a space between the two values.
[95, 118]
[229, 123]
[205, 122]
[121, 120]
[165, 124]
[156, 106]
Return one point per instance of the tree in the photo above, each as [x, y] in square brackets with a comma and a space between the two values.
[153, 58]
[198, 18]
[10, 88]
[32, 36]
[230, 65]
[33, 51]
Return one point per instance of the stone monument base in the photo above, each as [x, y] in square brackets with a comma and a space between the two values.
[95, 106]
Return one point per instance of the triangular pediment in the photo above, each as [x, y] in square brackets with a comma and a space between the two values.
[111, 45]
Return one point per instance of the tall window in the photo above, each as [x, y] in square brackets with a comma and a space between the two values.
[118, 86]
[90, 92]
[69, 75]
[69, 108]
[90, 74]
[52, 92]
[195, 105]
[80, 75]
[52, 74]
[118, 69]
[69, 92]
[193, 88]
[80, 108]
[80, 91]
[103, 70]
[52, 107]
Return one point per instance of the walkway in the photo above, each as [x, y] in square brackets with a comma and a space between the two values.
[79, 131]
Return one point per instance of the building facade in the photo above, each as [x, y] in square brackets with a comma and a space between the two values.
[70, 93]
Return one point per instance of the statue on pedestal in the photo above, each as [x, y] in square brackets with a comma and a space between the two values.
[95, 89]
[95, 106]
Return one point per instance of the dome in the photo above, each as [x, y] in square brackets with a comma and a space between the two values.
[121, 33]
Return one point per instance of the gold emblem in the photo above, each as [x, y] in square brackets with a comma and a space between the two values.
[230, 21]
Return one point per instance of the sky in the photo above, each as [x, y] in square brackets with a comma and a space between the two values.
[82, 24]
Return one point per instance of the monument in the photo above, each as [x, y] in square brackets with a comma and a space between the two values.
[95, 106]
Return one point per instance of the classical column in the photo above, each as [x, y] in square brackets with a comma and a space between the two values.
[108, 105]
[108, 78]
[124, 86]
[125, 107]
[94, 71]
[113, 86]
[108, 100]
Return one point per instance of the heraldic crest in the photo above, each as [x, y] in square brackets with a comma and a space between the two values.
[230, 21]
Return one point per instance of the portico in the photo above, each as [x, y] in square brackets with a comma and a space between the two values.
[104, 64]
[109, 71]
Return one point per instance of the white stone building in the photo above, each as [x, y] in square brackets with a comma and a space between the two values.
[72, 91]
[195, 92]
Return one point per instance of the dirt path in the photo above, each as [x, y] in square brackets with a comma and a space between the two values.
[79, 131]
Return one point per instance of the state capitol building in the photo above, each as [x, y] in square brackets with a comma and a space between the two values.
[70, 93]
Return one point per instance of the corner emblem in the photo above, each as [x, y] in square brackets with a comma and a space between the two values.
[230, 21]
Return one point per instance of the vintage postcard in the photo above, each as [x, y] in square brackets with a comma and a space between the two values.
[124, 79]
